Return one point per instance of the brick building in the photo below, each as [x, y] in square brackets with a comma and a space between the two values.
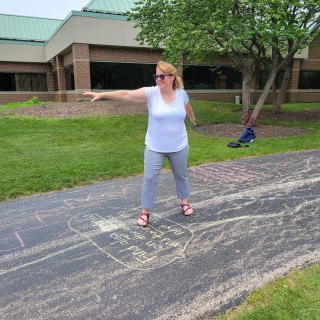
[95, 49]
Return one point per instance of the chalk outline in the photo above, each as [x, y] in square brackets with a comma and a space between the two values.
[180, 255]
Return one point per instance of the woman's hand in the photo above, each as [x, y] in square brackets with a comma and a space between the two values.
[94, 95]
[190, 114]
[193, 120]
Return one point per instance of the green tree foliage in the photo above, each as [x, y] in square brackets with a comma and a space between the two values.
[254, 34]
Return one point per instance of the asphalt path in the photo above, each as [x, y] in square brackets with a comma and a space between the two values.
[79, 254]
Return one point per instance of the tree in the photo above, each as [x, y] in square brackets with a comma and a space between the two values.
[202, 30]
[293, 25]
[252, 33]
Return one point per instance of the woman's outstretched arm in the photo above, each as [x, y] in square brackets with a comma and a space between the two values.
[137, 95]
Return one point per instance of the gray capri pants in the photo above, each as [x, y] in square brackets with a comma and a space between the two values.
[153, 163]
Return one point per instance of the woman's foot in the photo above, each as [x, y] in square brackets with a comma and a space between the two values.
[186, 209]
[143, 219]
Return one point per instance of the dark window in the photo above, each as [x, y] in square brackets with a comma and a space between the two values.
[69, 77]
[23, 82]
[309, 79]
[109, 75]
[7, 82]
[206, 77]
[39, 82]
[55, 81]
[262, 77]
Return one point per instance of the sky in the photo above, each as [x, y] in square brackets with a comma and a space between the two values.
[57, 9]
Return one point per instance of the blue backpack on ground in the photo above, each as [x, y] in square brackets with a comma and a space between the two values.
[248, 135]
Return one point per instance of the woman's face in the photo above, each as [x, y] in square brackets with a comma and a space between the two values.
[163, 79]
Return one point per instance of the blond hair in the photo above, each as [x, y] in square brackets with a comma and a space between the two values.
[170, 69]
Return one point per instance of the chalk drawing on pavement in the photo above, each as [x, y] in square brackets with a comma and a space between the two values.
[231, 173]
[137, 248]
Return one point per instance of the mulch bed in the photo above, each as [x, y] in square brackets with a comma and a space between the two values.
[232, 130]
[79, 109]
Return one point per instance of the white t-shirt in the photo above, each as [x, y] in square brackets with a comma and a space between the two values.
[166, 128]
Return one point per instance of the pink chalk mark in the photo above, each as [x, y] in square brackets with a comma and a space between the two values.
[19, 239]
[38, 218]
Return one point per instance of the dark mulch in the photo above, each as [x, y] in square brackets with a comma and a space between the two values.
[230, 130]
[79, 109]
[310, 115]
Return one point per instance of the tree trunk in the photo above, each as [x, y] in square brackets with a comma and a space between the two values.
[247, 78]
[274, 93]
[256, 111]
[281, 94]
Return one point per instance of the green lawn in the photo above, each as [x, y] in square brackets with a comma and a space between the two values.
[41, 155]
[294, 297]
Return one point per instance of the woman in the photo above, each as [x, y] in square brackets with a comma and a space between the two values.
[166, 135]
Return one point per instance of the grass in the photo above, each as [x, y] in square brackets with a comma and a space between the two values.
[208, 149]
[34, 101]
[38, 155]
[41, 155]
[294, 297]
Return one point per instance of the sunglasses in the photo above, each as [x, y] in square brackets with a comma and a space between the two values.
[161, 76]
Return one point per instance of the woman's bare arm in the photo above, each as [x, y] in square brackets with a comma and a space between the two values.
[137, 96]
[190, 114]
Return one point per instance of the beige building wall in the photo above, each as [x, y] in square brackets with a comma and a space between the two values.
[93, 31]
[22, 53]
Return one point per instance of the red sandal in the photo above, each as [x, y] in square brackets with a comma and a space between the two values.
[145, 220]
[185, 207]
